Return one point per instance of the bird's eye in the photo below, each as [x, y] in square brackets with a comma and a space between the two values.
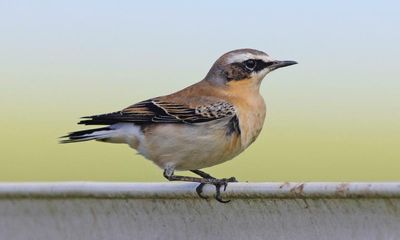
[250, 64]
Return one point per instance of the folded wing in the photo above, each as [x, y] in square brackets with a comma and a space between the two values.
[161, 111]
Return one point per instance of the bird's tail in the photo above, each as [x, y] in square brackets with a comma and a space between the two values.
[87, 135]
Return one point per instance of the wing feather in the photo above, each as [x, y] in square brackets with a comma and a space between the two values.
[159, 111]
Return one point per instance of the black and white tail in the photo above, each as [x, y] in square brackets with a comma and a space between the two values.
[87, 135]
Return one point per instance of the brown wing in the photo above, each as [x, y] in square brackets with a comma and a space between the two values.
[159, 111]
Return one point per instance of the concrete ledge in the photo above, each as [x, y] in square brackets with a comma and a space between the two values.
[187, 190]
[83, 210]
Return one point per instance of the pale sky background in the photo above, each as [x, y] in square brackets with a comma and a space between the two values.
[333, 117]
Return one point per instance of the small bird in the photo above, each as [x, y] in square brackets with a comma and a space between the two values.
[203, 125]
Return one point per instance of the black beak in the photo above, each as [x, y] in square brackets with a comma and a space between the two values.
[279, 64]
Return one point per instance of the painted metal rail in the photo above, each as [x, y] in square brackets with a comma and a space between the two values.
[85, 210]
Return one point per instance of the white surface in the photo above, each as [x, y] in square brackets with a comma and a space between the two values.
[173, 211]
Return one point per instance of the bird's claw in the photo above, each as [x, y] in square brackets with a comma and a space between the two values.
[218, 183]
[218, 191]
[199, 190]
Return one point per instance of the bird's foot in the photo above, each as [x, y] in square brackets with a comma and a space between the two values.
[218, 183]
[205, 179]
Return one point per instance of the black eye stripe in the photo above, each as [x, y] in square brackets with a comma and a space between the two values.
[242, 70]
[259, 64]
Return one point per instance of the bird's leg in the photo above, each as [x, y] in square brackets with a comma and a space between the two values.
[169, 174]
[218, 183]
[207, 179]
[208, 176]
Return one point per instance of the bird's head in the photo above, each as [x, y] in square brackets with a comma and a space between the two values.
[243, 67]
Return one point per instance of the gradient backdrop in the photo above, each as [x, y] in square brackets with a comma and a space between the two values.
[333, 117]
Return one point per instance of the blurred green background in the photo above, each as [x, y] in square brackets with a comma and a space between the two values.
[333, 117]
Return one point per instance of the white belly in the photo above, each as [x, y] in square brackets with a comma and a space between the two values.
[189, 147]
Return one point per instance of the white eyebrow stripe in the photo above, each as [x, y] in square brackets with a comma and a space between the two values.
[246, 56]
[239, 57]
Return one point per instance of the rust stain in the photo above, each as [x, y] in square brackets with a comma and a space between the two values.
[297, 190]
[306, 204]
[342, 189]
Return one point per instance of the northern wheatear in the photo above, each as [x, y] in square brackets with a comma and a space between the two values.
[200, 126]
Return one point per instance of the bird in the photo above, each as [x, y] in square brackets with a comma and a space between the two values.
[205, 124]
